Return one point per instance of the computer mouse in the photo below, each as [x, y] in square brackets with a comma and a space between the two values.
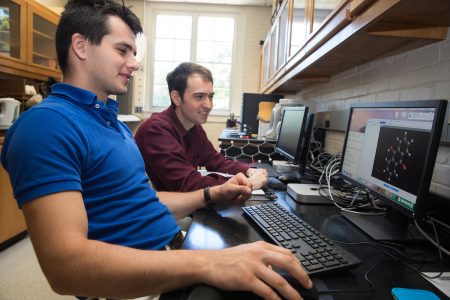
[205, 292]
[285, 178]
[276, 184]
[307, 294]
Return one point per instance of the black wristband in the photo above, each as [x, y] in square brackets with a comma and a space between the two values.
[208, 202]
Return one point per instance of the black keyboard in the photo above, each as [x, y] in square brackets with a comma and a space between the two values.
[271, 172]
[316, 252]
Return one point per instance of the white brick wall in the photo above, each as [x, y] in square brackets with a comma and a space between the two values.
[415, 75]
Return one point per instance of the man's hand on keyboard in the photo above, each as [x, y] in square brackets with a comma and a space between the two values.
[248, 267]
[257, 177]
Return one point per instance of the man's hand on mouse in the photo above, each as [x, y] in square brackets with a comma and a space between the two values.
[248, 267]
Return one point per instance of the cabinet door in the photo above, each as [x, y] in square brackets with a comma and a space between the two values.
[265, 58]
[298, 26]
[322, 8]
[12, 221]
[273, 49]
[12, 30]
[41, 26]
[283, 35]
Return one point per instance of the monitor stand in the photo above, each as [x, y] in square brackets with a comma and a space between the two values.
[392, 227]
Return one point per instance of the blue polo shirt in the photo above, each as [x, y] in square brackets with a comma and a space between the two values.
[72, 141]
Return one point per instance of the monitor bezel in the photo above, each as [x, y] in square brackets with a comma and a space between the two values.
[296, 158]
[430, 156]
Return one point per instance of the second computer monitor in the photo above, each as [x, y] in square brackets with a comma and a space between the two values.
[291, 133]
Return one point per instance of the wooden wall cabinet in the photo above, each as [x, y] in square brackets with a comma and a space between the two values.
[27, 40]
[323, 42]
[12, 222]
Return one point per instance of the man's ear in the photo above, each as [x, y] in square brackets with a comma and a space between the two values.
[78, 45]
[175, 96]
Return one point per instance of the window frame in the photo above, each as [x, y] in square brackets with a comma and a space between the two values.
[195, 14]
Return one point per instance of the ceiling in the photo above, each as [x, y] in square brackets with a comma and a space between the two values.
[226, 2]
[58, 5]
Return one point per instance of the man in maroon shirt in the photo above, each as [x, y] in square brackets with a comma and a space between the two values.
[174, 144]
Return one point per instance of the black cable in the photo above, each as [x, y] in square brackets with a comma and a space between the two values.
[366, 277]
[388, 245]
[374, 244]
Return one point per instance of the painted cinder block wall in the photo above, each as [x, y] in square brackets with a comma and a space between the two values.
[420, 74]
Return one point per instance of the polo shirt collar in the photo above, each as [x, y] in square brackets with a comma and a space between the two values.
[82, 96]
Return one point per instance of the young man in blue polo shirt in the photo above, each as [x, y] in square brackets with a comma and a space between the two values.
[78, 176]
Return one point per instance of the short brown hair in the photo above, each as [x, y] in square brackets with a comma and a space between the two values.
[177, 79]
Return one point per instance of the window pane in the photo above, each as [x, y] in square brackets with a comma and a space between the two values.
[205, 51]
[161, 71]
[182, 50]
[183, 27]
[160, 95]
[223, 52]
[222, 74]
[164, 49]
[221, 99]
[225, 30]
[206, 28]
[173, 26]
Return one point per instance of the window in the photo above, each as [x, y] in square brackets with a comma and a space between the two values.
[204, 39]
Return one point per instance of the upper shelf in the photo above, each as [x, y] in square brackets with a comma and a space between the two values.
[361, 31]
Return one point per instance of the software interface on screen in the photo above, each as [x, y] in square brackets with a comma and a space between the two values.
[386, 148]
[290, 131]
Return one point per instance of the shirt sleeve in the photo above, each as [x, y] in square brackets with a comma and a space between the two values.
[166, 162]
[214, 161]
[42, 158]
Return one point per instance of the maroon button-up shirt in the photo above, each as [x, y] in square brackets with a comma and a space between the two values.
[172, 155]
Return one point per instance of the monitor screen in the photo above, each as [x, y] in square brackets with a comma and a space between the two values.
[390, 150]
[292, 128]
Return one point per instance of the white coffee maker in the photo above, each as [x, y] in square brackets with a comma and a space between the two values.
[9, 111]
[275, 117]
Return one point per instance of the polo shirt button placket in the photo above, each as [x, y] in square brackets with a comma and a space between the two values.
[108, 123]
[97, 105]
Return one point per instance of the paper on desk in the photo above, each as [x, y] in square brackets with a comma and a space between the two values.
[204, 173]
[258, 192]
[442, 282]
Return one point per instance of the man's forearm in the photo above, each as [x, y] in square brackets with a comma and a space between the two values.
[182, 204]
[103, 270]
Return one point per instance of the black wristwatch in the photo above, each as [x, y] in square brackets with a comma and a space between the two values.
[208, 202]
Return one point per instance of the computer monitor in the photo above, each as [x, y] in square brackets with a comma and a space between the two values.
[304, 148]
[389, 151]
[294, 135]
